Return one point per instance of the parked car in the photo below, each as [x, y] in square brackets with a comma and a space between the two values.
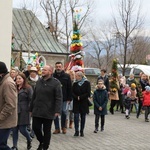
[92, 71]
[135, 69]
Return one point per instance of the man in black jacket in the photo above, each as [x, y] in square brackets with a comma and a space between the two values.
[45, 106]
[65, 80]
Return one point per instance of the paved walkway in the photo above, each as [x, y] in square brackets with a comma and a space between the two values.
[119, 134]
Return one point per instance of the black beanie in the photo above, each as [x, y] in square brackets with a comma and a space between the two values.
[3, 68]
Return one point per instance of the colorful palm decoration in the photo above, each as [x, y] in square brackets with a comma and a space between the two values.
[76, 48]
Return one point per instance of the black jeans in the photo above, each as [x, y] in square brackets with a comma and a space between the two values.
[97, 116]
[112, 105]
[139, 108]
[82, 121]
[42, 130]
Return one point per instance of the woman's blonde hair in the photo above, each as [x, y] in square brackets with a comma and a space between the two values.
[80, 73]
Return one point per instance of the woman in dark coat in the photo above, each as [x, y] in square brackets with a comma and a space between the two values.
[24, 98]
[100, 99]
[81, 92]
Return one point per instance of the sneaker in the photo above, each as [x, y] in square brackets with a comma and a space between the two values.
[127, 117]
[57, 131]
[40, 146]
[14, 148]
[95, 131]
[146, 120]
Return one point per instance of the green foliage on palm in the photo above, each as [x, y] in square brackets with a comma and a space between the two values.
[114, 75]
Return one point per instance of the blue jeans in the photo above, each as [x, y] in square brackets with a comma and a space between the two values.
[63, 117]
[23, 130]
[4, 134]
[82, 121]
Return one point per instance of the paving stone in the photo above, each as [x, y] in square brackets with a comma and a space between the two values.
[119, 134]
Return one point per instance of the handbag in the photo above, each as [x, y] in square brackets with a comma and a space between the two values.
[90, 103]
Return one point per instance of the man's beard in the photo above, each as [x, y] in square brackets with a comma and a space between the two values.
[44, 76]
[58, 71]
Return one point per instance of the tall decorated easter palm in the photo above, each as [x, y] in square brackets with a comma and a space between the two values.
[114, 76]
[76, 48]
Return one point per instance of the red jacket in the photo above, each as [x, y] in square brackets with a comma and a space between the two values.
[146, 98]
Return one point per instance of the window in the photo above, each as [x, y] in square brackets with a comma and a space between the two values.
[137, 71]
[92, 71]
[89, 71]
[127, 71]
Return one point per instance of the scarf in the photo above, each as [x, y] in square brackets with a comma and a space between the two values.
[82, 81]
[34, 79]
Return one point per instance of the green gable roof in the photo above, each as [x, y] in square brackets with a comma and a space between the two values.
[25, 25]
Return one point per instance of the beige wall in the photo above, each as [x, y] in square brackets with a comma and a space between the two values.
[5, 31]
[51, 59]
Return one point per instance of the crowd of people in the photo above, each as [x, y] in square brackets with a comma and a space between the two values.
[132, 93]
[29, 103]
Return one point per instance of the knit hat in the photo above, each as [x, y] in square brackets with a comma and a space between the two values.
[133, 85]
[3, 68]
[101, 81]
[147, 88]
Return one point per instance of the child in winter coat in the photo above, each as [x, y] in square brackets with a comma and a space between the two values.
[134, 98]
[130, 98]
[125, 90]
[100, 99]
[127, 103]
[146, 102]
